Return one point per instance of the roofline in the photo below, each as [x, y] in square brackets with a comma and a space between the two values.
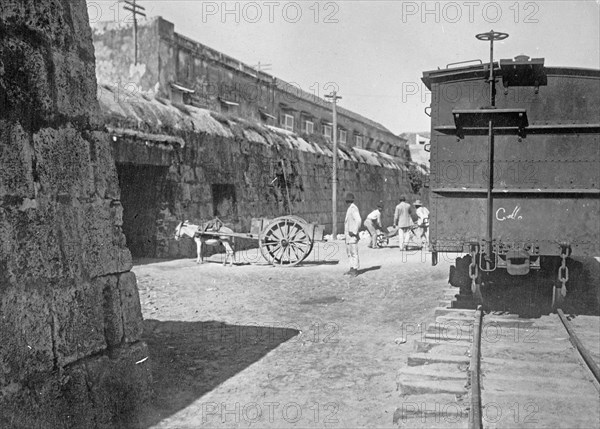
[480, 71]
[282, 84]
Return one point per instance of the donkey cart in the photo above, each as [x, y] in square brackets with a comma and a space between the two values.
[284, 241]
[287, 240]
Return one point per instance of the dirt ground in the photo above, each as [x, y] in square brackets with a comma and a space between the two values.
[259, 346]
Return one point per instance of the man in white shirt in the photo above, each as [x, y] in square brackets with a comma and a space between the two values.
[423, 222]
[351, 227]
[403, 220]
[373, 223]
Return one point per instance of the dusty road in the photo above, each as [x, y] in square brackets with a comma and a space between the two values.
[257, 346]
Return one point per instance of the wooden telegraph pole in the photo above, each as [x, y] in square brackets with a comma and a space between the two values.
[334, 98]
[135, 9]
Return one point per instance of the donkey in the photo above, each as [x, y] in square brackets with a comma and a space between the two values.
[196, 232]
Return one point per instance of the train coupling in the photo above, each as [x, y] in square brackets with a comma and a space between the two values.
[518, 262]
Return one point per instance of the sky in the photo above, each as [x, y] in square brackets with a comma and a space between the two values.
[374, 52]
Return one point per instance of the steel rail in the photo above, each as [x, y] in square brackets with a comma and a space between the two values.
[585, 354]
[475, 421]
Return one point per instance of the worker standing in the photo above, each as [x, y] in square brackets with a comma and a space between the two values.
[351, 227]
[403, 220]
[423, 222]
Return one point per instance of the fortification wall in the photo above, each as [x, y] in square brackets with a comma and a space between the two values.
[180, 162]
[70, 319]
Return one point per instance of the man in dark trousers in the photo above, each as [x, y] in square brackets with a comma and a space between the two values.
[351, 227]
[403, 220]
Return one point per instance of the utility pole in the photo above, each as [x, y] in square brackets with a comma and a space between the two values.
[135, 9]
[334, 98]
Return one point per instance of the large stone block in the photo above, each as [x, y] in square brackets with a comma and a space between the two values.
[103, 164]
[122, 314]
[26, 335]
[131, 310]
[16, 178]
[24, 84]
[30, 249]
[48, 72]
[79, 321]
[103, 243]
[111, 305]
[63, 162]
[74, 85]
[103, 391]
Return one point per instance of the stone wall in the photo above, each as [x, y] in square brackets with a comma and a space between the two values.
[179, 162]
[70, 318]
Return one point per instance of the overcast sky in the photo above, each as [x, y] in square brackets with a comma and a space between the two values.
[375, 51]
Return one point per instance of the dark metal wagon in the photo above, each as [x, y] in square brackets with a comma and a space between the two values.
[515, 167]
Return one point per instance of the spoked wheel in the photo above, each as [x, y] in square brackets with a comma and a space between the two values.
[285, 241]
[491, 35]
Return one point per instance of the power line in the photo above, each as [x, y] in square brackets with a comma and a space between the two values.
[135, 9]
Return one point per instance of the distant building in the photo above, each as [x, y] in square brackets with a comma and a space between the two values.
[418, 145]
[186, 72]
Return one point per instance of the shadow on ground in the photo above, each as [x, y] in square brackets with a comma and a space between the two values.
[373, 268]
[189, 359]
[329, 262]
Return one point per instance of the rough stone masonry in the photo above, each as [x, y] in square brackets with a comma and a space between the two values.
[70, 319]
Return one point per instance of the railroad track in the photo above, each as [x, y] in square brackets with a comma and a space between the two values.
[472, 369]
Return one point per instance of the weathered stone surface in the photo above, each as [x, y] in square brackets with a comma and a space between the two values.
[78, 322]
[130, 307]
[102, 242]
[111, 304]
[264, 181]
[97, 392]
[103, 164]
[26, 335]
[51, 67]
[63, 163]
[62, 250]
[16, 177]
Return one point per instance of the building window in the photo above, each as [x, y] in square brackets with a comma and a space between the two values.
[343, 135]
[360, 141]
[288, 122]
[309, 127]
[327, 130]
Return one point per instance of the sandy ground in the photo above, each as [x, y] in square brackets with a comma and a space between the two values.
[258, 346]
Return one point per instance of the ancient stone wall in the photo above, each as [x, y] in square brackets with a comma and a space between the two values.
[254, 181]
[70, 318]
[177, 163]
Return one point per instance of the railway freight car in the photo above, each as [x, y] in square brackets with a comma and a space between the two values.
[515, 169]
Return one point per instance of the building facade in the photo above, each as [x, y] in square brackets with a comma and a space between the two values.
[186, 72]
[197, 134]
[418, 145]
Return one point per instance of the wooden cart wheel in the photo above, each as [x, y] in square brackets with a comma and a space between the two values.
[285, 241]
